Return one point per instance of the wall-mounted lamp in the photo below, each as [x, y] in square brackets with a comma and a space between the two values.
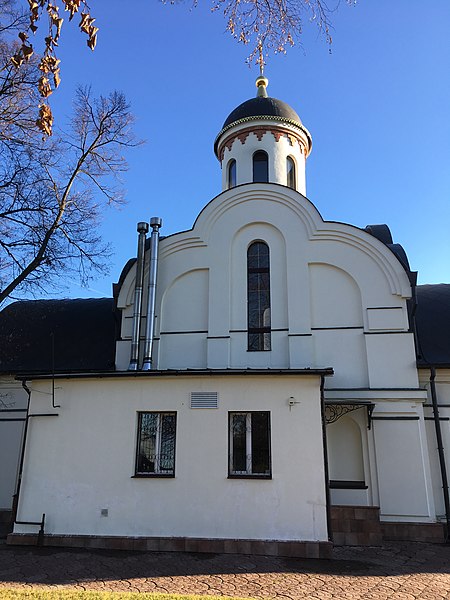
[292, 402]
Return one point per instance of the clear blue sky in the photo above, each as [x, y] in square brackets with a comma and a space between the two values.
[377, 106]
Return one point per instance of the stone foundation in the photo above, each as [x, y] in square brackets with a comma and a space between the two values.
[216, 546]
[361, 526]
[414, 532]
[356, 526]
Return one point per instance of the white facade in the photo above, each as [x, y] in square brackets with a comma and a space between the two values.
[201, 302]
[338, 300]
[243, 144]
[93, 468]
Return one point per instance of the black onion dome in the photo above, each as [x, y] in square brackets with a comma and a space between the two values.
[262, 107]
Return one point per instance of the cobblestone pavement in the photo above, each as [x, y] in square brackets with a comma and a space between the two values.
[398, 571]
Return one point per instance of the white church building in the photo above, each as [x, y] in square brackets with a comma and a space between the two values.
[265, 382]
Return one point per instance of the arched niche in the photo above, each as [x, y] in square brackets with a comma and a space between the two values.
[184, 305]
[335, 298]
[242, 239]
[345, 451]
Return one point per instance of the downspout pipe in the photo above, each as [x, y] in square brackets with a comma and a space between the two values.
[155, 224]
[440, 448]
[22, 456]
[436, 419]
[16, 497]
[325, 458]
[142, 229]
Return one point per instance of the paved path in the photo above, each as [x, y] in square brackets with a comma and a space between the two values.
[398, 571]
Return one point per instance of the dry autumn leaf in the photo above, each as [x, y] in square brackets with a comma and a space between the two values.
[73, 6]
[45, 119]
[44, 87]
[49, 64]
[27, 51]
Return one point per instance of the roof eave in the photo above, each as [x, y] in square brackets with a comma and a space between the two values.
[325, 371]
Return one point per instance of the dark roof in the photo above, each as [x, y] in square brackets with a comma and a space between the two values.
[262, 107]
[325, 371]
[129, 265]
[127, 268]
[383, 233]
[433, 324]
[84, 332]
[266, 108]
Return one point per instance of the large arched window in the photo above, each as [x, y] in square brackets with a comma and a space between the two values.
[231, 174]
[258, 297]
[260, 167]
[290, 167]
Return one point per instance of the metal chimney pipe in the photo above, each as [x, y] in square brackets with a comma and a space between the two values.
[142, 229]
[155, 224]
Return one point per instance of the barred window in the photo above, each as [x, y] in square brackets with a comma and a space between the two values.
[155, 454]
[249, 442]
[258, 297]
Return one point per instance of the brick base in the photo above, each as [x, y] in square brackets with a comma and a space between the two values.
[356, 526]
[176, 544]
[414, 532]
[361, 526]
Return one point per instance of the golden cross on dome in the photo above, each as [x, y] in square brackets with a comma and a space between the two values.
[260, 60]
[261, 81]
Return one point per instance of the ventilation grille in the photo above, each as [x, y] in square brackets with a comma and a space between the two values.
[204, 399]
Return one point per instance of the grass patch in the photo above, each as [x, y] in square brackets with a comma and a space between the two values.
[40, 594]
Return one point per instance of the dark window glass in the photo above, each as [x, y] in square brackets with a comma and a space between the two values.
[258, 297]
[260, 167]
[231, 175]
[260, 442]
[290, 165]
[239, 441]
[249, 444]
[156, 444]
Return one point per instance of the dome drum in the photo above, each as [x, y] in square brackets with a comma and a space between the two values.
[263, 126]
[279, 147]
[242, 134]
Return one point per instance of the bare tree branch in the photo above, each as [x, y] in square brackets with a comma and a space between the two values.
[53, 190]
[272, 25]
[275, 25]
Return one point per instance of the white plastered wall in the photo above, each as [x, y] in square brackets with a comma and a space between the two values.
[442, 383]
[348, 458]
[82, 461]
[395, 453]
[338, 298]
[277, 151]
[338, 295]
[184, 307]
[403, 463]
[13, 404]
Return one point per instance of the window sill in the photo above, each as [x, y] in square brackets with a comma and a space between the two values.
[337, 484]
[153, 476]
[249, 476]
